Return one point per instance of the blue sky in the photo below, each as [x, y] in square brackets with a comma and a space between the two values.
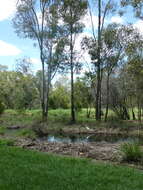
[12, 47]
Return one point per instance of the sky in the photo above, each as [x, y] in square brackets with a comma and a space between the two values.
[12, 47]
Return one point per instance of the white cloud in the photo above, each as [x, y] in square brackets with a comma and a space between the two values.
[117, 19]
[139, 25]
[36, 64]
[7, 9]
[87, 21]
[35, 61]
[83, 55]
[8, 49]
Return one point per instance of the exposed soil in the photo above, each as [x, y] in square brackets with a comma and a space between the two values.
[102, 151]
[98, 151]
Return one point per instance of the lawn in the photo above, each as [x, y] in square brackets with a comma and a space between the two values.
[28, 170]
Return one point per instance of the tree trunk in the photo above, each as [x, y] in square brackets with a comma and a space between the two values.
[48, 93]
[72, 79]
[132, 108]
[44, 113]
[133, 114]
[107, 101]
[88, 111]
[139, 112]
[48, 82]
[98, 100]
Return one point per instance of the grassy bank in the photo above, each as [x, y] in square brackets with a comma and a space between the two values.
[23, 170]
[60, 118]
[59, 121]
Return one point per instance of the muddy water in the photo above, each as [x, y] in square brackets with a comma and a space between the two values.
[91, 138]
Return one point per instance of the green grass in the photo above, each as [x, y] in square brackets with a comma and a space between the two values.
[28, 170]
[60, 119]
[2, 130]
[28, 133]
[8, 142]
[132, 152]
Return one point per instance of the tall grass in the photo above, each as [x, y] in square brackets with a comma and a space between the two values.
[132, 152]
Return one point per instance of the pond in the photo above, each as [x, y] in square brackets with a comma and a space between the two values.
[91, 138]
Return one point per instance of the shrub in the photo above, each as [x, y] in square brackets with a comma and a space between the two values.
[2, 108]
[131, 152]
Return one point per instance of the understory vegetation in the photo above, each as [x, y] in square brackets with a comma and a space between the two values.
[59, 118]
[132, 152]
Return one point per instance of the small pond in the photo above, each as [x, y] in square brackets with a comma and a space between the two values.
[91, 138]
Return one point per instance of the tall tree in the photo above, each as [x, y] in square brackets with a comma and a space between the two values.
[38, 20]
[134, 54]
[112, 52]
[104, 9]
[72, 11]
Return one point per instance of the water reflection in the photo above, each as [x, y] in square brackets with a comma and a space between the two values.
[91, 138]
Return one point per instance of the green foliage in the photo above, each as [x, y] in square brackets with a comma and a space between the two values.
[2, 107]
[20, 111]
[60, 97]
[8, 142]
[2, 130]
[131, 152]
[59, 115]
[136, 4]
[83, 97]
[72, 11]
[113, 118]
[27, 133]
[17, 90]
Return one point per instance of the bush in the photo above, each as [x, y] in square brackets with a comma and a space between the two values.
[2, 108]
[131, 152]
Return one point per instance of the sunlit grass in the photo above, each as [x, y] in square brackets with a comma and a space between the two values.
[24, 170]
[60, 118]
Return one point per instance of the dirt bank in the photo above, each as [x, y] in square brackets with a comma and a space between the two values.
[98, 151]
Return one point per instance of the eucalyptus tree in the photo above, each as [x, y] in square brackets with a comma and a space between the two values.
[135, 60]
[38, 20]
[112, 54]
[126, 87]
[137, 6]
[116, 40]
[104, 9]
[72, 12]
[24, 65]
[120, 41]
[18, 90]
